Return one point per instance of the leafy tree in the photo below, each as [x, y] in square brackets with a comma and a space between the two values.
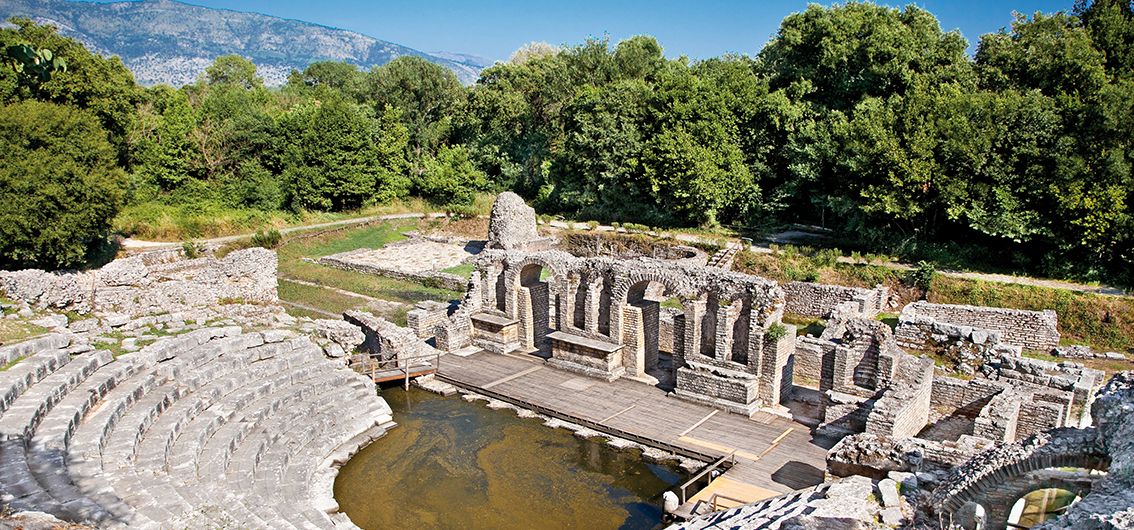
[233, 71]
[844, 53]
[102, 86]
[339, 157]
[426, 94]
[450, 178]
[1111, 25]
[330, 79]
[59, 185]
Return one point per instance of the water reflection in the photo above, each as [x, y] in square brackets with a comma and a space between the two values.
[452, 464]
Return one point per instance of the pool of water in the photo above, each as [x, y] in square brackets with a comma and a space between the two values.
[453, 464]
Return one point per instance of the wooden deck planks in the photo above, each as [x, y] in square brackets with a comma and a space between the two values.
[773, 454]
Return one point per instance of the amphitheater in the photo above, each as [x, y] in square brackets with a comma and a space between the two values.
[177, 393]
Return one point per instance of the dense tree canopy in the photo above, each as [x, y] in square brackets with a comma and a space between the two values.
[59, 184]
[868, 120]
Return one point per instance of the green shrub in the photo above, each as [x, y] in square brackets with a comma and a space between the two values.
[269, 239]
[190, 250]
[776, 332]
[921, 276]
[60, 185]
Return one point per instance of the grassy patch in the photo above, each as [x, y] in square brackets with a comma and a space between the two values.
[805, 325]
[890, 319]
[202, 219]
[318, 297]
[13, 331]
[463, 270]
[292, 266]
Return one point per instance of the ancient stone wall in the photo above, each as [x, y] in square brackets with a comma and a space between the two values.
[424, 318]
[143, 285]
[818, 300]
[813, 361]
[903, 409]
[1034, 330]
[875, 455]
[440, 279]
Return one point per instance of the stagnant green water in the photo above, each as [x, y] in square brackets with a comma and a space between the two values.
[452, 464]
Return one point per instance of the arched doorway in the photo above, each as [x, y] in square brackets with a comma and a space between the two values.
[535, 308]
[651, 317]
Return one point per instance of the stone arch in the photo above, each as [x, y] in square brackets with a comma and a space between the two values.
[532, 301]
[639, 336]
[1010, 469]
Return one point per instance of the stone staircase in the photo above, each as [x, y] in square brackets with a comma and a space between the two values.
[212, 428]
[723, 258]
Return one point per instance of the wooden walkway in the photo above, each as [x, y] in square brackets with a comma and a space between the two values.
[774, 455]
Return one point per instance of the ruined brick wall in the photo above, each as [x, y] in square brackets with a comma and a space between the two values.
[143, 285]
[666, 328]
[1035, 330]
[903, 409]
[818, 300]
[813, 361]
[424, 318]
[965, 397]
[738, 391]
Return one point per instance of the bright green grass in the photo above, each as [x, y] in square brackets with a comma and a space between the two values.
[463, 270]
[292, 265]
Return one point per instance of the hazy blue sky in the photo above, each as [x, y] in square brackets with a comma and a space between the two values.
[696, 28]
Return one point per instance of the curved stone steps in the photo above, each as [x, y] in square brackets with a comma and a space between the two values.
[174, 421]
[213, 428]
[21, 419]
[263, 462]
[15, 380]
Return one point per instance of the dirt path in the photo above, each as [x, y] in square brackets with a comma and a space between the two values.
[138, 244]
[988, 277]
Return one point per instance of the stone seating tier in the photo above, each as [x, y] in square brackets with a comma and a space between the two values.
[213, 428]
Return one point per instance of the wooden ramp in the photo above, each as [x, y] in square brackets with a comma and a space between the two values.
[774, 455]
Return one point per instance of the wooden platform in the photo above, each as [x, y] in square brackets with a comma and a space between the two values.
[774, 455]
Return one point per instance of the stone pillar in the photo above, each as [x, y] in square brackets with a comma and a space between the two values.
[694, 313]
[594, 295]
[678, 341]
[726, 319]
[539, 296]
[651, 311]
[633, 339]
[526, 317]
[775, 368]
[568, 304]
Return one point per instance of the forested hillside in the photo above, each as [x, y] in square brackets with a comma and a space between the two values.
[164, 41]
[867, 120]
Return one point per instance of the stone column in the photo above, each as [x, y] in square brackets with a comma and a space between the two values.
[726, 317]
[694, 313]
[775, 375]
[633, 351]
[650, 314]
[678, 341]
[526, 318]
[592, 308]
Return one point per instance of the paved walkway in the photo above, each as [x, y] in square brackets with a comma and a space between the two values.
[774, 455]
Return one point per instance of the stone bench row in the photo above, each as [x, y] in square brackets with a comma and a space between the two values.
[211, 428]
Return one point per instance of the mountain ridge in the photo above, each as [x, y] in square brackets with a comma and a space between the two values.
[171, 42]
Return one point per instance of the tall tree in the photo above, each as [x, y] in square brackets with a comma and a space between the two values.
[60, 185]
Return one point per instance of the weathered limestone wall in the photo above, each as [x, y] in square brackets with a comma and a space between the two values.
[424, 318]
[875, 456]
[903, 410]
[813, 361]
[388, 341]
[1034, 330]
[142, 285]
[818, 300]
[440, 279]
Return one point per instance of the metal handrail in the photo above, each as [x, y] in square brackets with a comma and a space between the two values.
[731, 456]
[372, 370]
